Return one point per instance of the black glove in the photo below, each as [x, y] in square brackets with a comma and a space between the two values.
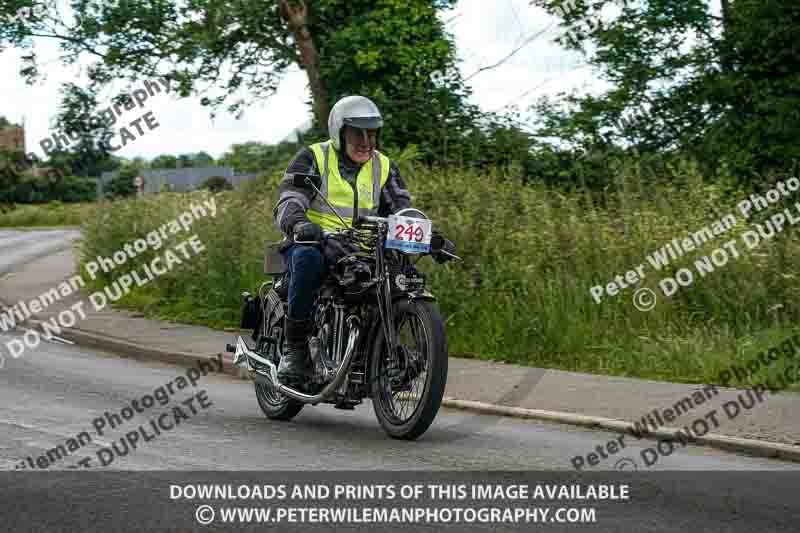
[307, 231]
[439, 243]
[335, 249]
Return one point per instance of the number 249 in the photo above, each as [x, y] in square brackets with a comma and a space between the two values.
[412, 233]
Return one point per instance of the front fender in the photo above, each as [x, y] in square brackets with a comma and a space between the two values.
[371, 340]
[416, 295]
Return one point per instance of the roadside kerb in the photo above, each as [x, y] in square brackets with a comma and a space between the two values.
[722, 442]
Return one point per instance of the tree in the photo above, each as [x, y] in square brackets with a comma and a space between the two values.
[164, 161]
[202, 159]
[79, 148]
[721, 89]
[258, 39]
[396, 52]
[216, 184]
[759, 127]
[121, 184]
[254, 156]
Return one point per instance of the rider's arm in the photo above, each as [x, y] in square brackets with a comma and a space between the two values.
[293, 201]
[394, 195]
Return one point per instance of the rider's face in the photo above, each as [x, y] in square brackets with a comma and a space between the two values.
[360, 143]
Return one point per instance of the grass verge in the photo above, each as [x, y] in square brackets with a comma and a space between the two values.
[53, 214]
[531, 256]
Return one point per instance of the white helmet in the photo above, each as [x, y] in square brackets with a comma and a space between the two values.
[355, 111]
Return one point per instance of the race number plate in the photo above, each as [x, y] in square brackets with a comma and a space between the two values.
[412, 235]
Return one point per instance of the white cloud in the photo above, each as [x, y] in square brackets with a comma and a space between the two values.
[485, 32]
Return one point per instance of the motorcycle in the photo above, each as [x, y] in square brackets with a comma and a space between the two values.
[377, 331]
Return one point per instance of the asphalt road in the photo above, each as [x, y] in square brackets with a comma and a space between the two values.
[58, 392]
[20, 247]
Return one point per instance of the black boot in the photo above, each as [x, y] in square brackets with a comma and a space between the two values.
[293, 365]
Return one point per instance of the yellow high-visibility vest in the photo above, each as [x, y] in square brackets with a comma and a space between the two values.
[339, 192]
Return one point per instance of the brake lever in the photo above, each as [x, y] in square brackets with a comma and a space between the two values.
[445, 252]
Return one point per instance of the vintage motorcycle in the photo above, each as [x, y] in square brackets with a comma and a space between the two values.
[377, 331]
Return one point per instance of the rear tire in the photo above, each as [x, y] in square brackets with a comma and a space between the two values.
[276, 406]
[429, 395]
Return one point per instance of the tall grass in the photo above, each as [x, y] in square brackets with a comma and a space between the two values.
[531, 256]
[50, 214]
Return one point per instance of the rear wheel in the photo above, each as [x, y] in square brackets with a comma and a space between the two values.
[407, 386]
[274, 404]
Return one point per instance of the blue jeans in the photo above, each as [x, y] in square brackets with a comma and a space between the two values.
[306, 273]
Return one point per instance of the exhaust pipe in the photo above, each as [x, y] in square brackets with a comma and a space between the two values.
[270, 378]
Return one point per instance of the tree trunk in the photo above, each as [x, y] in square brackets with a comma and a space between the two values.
[297, 18]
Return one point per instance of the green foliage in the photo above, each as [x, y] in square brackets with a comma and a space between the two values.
[255, 156]
[395, 52]
[164, 161]
[79, 117]
[399, 55]
[201, 159]
[121, 184]
[45, 215]
[531, 255]
[195, 160]
[760, 132]
[721, 90]
[216, 184]
[19, 185]
[231, 260]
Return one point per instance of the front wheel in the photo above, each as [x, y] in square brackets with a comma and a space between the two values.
[407, 386]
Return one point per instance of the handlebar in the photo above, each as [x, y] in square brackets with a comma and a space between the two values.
[356, 222]
[373, 219]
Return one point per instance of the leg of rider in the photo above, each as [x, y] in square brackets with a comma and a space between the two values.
[306, 269]
[305, 278]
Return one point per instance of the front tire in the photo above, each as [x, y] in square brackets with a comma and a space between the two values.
[395, 380]
[276, 406]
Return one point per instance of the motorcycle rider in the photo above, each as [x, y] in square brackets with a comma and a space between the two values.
[355, 175]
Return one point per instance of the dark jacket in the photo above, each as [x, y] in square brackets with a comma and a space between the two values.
[293, 201]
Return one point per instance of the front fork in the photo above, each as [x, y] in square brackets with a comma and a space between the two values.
[342, 333]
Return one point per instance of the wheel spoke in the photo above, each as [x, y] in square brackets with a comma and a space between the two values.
[400, 403]
[269, 394]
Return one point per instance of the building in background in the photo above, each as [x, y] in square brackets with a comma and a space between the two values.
[179, 179]
[12, 138]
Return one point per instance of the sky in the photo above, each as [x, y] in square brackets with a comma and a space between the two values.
[485, 32]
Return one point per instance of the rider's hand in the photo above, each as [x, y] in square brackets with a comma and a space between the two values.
[307, 231]
[439, 243]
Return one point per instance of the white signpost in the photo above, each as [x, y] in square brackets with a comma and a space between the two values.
[138, 182]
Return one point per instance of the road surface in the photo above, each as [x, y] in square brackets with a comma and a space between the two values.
[59, 394]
